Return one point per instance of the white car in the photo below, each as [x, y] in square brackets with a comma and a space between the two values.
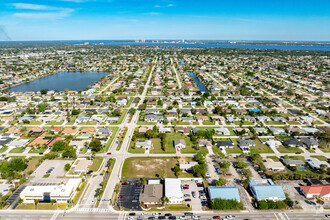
[144, 213]
[195, 217]
[183, 217]
[156, 214]
[230, 217]
[130, 218]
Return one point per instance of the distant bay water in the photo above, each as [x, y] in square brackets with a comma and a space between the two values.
[61, 81]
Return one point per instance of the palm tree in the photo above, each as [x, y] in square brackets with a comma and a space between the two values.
[165, 200]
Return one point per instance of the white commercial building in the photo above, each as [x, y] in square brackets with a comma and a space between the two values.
[61, 193]
[173, 190]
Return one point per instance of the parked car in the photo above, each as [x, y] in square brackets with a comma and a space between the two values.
[172, 217]
[124, 183]
[187, 200]
[230, 217]
[132, 214]
[185, 186]
[216, 217]
[109, 153]
[156, 214]
[193, 193]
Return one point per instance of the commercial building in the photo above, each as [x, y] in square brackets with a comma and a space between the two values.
[266, 189]
[173, 190]
[217, 192]
[61, 193]
[316, 191]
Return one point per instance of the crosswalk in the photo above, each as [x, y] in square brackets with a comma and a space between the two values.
[92, 210]
[281, 216]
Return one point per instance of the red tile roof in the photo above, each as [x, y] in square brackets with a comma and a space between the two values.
[321, 190]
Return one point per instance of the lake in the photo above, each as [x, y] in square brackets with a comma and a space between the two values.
[199, 83]
[61, 81]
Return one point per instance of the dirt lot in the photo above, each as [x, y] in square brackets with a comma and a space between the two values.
[148, 167]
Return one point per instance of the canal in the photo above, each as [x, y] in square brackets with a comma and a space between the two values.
[199, 83]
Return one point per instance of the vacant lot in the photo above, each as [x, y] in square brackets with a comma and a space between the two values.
[150, 167]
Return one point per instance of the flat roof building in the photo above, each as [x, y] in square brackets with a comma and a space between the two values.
[227, 193]
[173, 190]
[266, 189]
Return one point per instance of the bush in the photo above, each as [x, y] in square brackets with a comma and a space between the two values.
[225, 204]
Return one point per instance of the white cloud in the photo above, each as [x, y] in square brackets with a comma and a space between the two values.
[157, 6]
[32, 6]
[153, 13]
[46, 15]
[170, 5]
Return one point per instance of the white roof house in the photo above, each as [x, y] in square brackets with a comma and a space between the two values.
[173, 190]
[61, 193]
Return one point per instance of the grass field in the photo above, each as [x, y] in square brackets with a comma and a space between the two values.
[109, 142]
[260, 148]
[157, 149]
[96, 163]
[320, 157]
[274, 158]
[17, 150]
[55, 122]
[41, 206]
[150, 167]
[37, 150]
[283, 149]
[32, 164]
[3, 149]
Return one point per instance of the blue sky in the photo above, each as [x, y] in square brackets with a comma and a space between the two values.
[165, 19]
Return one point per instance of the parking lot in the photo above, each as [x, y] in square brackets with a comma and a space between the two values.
[56, 175]
[129, 195]
[292, 189]
[195, 202]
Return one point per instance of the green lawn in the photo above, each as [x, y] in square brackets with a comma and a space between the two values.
[149, 167]
[3, 149]
[41, 206]
[17, 150]
[156, 147]
[293, 122]
[208, 123]
[244, 123]
[235, 149]
[83, 150]
[170, 142]
[274, 123]
[97, 161]
[283, 149]
[260, 148]
[121, 118]
[320, 157]
[109, 142]
[55, 122]
[136, 150]
[274, 158]
[37, 150]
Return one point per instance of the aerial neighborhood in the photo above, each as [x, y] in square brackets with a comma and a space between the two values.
[144, 132]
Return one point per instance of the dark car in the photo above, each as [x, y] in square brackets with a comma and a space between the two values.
[216, 217]
[132, 214]
[151, 218]
[168, 214]
[188, 214]
[124, 183]
[172, 217]
[161, 217]
[89, 172]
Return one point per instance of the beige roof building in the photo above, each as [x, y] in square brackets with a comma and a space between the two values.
[151, 194]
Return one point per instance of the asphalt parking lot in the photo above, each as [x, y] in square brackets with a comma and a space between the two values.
[195, 202]
[292, 189]
[129, 195]
[55, 175]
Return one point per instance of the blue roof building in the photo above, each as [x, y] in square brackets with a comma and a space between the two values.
[265, 189]
[217, 192]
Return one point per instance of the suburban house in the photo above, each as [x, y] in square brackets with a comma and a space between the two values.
[316, 191]
[315, 163]
[216, 192]
[292, 143]
[245, 144]
[145, 144]
[225, 144]
[69, 131]
[310, 142]
[223, 131]
[103, 131]
[273, 165]
[187, 166]
[153, 118]
[204, 143]
[179, 144]
[273, 143]
[164, 130]
[82, 118]
[266, 189]
[184, 131]
[173, 190]
[293, 163]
